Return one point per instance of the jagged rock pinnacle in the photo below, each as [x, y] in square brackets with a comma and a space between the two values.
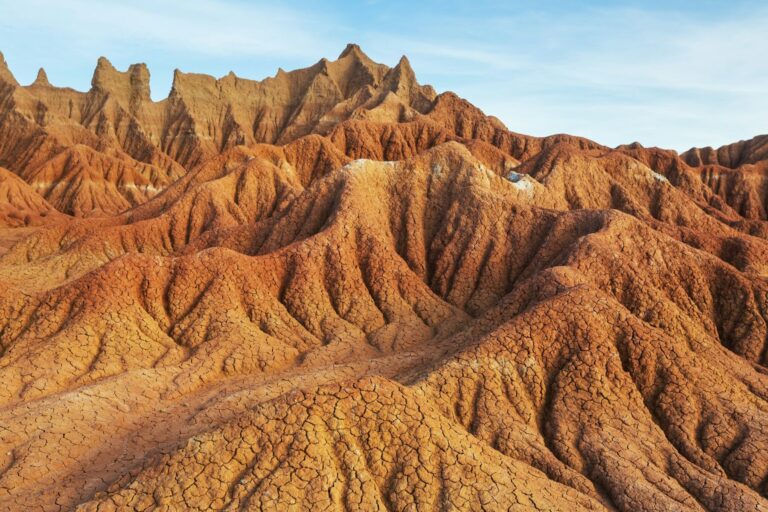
[139, 81]
[41, 79]
[129, 86]
[103, 72]
[352, 48]
[5, 72]
[405, 69]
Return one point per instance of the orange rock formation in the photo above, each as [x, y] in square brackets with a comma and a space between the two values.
[337, 289]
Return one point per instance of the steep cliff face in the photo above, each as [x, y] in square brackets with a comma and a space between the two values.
[738, 173]
[335, 288]
[752, 151]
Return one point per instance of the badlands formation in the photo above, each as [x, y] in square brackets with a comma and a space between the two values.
[335, 289]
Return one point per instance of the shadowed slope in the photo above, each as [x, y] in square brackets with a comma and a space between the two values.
[20, 205]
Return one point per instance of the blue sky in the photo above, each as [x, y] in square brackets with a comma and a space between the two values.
[667, 73]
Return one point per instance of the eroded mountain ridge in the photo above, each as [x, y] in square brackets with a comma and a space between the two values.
[336, 288]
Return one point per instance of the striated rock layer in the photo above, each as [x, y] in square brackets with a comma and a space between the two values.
[336, 289]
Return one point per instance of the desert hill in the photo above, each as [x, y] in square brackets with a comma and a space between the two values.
[20, 205]
[336, 288]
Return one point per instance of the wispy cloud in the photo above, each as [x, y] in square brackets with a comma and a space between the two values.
[197, 26]
[669, 50]
[618, 74]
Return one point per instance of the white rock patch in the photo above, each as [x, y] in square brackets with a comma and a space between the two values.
[144, 188]
[355, 165]
[359, 164]
[524, 185]
[521, 182]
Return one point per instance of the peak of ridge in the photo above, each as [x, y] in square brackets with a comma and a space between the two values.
[322, 65]
[42, 78]
[103, 67]
[352, 49]
[5, 72]
[129, 86]
[177, 75]
[192, 83]
[731, 155]
[404, 70]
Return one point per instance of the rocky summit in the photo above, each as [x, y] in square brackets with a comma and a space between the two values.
[336, 289]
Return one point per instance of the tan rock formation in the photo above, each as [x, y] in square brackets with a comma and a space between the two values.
[335, 288]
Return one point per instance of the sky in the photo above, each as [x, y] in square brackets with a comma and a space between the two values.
[673, 74]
